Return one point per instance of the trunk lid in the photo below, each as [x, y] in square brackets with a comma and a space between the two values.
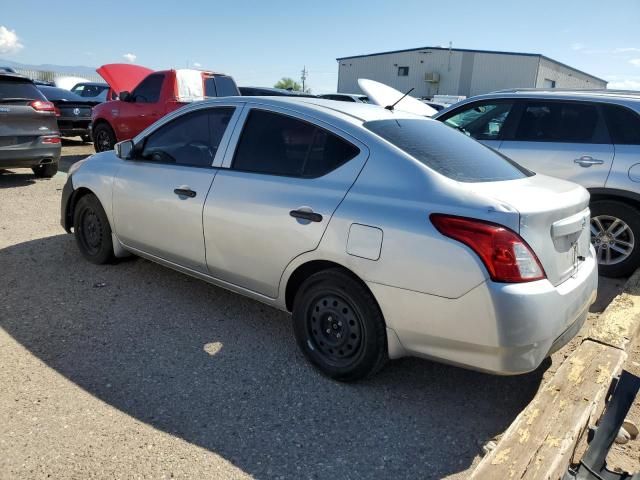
[554, 220]
[123, 76]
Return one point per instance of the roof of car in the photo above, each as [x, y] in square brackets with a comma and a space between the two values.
[564, 93]
[16, 76]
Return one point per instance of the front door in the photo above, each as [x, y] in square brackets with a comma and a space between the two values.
[567, 140]
[286, 177]
[158, 196]
[142, 108]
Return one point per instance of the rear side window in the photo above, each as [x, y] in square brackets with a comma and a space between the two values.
[149, 89]
[447, 151]
[191, 139]
[482, 122]
[277, 144]
[623, 124]
[557, 122]
[15, 90]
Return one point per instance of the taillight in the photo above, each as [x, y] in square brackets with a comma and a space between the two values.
[50, 140]
[57, 110]
[42, 106]
[506, 255]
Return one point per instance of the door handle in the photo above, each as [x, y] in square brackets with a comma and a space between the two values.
[306, 215]
[184, 191]
[587, 161]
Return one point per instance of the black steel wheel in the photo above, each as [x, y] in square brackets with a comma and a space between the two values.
[103, 138]
[92, 230]
[339, 326]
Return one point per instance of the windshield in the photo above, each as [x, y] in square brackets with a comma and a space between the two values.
[18, 89]
[55, 94]
[447, 151]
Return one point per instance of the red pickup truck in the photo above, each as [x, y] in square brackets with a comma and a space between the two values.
[145, 96]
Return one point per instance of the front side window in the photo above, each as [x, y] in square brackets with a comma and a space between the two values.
[191, 139]
[557, 122]
[149, 89]
[403, 71]
[277, 144]
[623, 124]
[446, 151]
[482, 122]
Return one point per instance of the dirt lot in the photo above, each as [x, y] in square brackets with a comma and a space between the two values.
[136, 371]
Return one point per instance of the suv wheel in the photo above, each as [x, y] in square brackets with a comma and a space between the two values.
[615, 234]
[339, 327]
[92, 230]
[103, 138]
[45, 171]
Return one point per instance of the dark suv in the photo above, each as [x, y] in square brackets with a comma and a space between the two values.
[29, 136]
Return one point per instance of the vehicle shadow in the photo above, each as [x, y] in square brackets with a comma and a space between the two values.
[223, 372]
[11, 179]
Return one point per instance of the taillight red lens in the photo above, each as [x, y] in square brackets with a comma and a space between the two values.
[506, 255]
[57, 110]
[42, 106]
[48, 140]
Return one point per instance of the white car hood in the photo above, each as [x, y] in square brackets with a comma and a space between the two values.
[384, 95]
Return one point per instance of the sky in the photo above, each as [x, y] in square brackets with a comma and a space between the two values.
[260, 42]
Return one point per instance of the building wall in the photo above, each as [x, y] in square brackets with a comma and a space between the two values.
[461, 72]
[565, 77]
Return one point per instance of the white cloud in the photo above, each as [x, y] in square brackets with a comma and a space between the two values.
[197, 65]
[635, 62]
[626, 50]
[130, 57]
[9, 41]
[627, 84]
[577, 46]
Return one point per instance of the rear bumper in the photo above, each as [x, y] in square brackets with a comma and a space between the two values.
[72, 126]
[498, 328]
[31, 155]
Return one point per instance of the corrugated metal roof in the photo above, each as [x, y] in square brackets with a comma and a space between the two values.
[497, 52]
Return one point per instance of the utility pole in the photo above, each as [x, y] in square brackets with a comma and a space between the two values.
[303, 76]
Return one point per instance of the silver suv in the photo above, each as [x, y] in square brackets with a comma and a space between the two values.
[589, 137]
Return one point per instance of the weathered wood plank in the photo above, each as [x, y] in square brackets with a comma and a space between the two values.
[620, 322]
[540, 442]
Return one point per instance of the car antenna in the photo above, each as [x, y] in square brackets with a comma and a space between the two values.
[390, 107]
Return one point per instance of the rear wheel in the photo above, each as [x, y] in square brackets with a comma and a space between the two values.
[45, 171]
[339, 327]
[104, 137]
[615, 235]
[92, 230]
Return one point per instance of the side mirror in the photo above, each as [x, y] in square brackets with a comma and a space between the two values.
[125, 96]
[124, 149]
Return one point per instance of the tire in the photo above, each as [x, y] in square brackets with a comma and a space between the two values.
[615, 234]
[92, 230]
[339, 326]
[104, 138]
[45, 171]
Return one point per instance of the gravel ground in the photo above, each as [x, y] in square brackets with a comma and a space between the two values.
[135, 371]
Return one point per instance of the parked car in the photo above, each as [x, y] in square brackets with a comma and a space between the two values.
[271, 92]
[591, 138]
[67, 81]
[146, 96]
[95, 91]
[434, 105]
[29, 136]
[346, 97]
[4, 69]
[72, 111]
[384, 233]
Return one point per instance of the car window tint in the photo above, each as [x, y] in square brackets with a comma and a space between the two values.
[149, 89]
[277, 144]
[226, 87]
[623, 124]
[447, 151]
[191, 139]
[482, 122]
[557, 122]
[10, 88]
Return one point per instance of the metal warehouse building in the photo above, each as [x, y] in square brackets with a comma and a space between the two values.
[455, 71]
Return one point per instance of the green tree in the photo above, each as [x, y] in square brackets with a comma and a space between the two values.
[288, 84]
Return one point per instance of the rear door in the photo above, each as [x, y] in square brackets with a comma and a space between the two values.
[158, 196]
[142, 109]
[21, 124]
[561, 138]
[286, 175]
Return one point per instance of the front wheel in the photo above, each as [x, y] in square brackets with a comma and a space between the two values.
[615, 235]
[104, 138]
[339, 326]
[92, 230]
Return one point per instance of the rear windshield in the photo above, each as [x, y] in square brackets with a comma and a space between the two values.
[220, 86]
[16, 90]
[447, 151]
[55, 94]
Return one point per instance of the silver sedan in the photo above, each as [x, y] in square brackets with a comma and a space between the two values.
[383, 233]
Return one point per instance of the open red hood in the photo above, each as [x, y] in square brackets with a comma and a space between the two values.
[123, 76]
